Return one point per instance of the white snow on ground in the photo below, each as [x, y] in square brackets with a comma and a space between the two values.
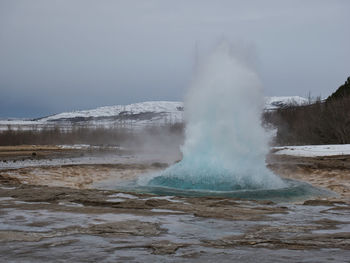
[314, 150]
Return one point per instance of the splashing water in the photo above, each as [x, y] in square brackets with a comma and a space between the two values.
[225, 145]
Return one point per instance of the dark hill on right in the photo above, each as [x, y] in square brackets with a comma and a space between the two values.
[319, 122]
[341, 92]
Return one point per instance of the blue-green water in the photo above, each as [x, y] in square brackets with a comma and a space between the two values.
[203, 172]
[292, 191]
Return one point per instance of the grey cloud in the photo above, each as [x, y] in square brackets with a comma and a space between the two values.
[76, 54]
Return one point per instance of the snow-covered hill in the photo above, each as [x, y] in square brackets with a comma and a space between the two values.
[138, 111]
[164, 108]
[137, 114]
[272, 103]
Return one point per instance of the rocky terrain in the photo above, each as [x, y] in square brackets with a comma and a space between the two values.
[62, 212]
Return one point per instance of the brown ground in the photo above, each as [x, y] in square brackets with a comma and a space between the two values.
[291, 235]
[33, 152]
[78, 176]
[69, 189]
[331, 172]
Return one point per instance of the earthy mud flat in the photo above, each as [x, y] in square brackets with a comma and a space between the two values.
[12, 154]
[52, 212]
[331, 172]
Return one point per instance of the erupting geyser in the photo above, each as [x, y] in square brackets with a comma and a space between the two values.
[225, 145]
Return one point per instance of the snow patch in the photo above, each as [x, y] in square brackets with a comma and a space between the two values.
[314, 150]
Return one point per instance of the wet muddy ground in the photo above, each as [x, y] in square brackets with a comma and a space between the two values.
[51, 211]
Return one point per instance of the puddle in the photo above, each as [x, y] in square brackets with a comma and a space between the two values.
[6, 199]
[122, 195]
[166, 211]
[7, 188]
[339, 229]
[31, 203]
[115, 200]
[70, 204]
[64, 242]
[168, 198]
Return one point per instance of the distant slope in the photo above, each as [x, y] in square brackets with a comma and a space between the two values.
[137, 114]
[143, 110]
[273, 103]
[341, 92]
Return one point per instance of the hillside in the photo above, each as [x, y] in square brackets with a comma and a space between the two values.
[341, 92]
[135, 115]
[152, 110]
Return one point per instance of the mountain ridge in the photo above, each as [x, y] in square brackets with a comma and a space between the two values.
[271, 103]
[137, 114]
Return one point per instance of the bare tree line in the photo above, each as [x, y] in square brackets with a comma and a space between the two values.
[85, 135]
[321, 122]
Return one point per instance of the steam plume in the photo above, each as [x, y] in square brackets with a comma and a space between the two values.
[225, 145]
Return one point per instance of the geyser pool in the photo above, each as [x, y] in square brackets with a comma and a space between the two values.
[225, 144]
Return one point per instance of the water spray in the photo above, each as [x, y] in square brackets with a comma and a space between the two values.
[225, 145]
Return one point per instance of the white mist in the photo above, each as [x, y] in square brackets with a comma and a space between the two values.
[225, 145]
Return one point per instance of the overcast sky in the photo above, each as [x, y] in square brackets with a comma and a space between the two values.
[77, 54]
